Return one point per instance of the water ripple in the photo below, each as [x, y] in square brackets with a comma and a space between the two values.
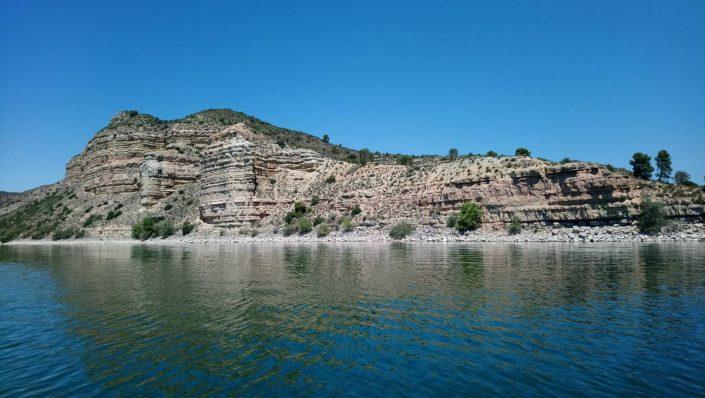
[353, 320]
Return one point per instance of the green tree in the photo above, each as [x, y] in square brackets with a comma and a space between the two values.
[326, 139]
[641, 166]
[682, 178]
[522, 152]
[364, 156]
[452, 153]
[663, 163]
[470, 217]
[491, 154]
[652, 218]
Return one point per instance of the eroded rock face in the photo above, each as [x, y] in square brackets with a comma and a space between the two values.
[233, 174]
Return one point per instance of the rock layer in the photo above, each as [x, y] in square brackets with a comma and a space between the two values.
[225, 169]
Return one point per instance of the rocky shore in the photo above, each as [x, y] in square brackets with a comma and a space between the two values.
[616, 233]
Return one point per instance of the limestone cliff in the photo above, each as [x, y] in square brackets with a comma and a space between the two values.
[224, 169]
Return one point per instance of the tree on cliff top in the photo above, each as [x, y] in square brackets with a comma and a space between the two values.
[522, 152]
[682, 178]
[663, 163]
[453, 154]
[641, 166]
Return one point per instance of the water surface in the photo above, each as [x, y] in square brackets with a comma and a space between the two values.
[353, 319]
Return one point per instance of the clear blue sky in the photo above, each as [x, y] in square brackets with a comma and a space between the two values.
[593, 80]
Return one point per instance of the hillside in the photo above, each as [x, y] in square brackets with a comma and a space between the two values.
[226, 172]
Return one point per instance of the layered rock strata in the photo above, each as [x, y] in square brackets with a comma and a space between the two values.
[223, 169]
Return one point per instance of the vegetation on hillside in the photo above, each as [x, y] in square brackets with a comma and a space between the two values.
[152, 227]
[36, 219]
[652, 218]
[514, 226]
[401, 230]
[469, 217]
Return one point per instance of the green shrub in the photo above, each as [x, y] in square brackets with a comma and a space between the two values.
[43, 230]
[318, 220]
[88, 210]
[147, 228]
[401, 230]
[346, 224]
[299, 210]
[9, 234]
[330, 179]
[364, 156]
[91, 219]
[168, 207]
[452, 221]
[80, 233]
[187, 227]
[164, 229]
[355, 211]
[315, 200]
[405, 160]
[323, 230]
[469, 218]
[326, 138]
[652, 217]
[305, 226]
[565, 160]
[289, 229]
[514, 226]
[60, 234]
[113, 214]
[491, 154]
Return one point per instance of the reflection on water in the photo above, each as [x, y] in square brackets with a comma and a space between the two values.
[353, 319]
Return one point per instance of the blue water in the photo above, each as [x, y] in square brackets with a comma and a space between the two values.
[353, 320]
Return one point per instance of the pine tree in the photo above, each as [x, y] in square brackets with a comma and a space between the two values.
[453, 154]
[682, 178]
[663, 163]
[641, 165]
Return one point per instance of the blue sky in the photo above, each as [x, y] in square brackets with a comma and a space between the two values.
[592, 80]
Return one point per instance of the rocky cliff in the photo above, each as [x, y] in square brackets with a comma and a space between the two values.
[225, 170]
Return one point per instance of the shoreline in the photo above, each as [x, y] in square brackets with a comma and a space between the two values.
[682, 233]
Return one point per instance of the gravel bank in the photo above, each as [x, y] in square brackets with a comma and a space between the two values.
[616, 233]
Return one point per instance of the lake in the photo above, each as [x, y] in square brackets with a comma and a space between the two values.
[353, 320]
